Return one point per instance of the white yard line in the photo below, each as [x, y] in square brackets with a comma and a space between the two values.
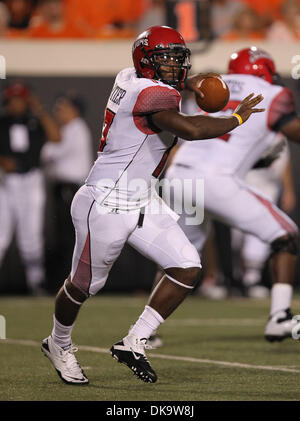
[166, 357]
[216, 322]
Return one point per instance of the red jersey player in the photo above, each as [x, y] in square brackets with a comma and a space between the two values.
[108, 211]
[223, 163]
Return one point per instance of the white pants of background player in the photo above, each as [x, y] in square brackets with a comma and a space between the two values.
[232, 201]
[101, 235]
[22, 203]
[255, 252]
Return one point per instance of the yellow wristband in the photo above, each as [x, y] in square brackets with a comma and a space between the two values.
[238, 117]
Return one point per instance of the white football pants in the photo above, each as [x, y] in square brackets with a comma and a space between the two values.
[101, 235]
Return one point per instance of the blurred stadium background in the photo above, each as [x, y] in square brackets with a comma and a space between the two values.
[58, 46]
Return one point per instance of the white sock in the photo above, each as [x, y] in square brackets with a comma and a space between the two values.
[61, 334]
[281, 297]
[148, 322]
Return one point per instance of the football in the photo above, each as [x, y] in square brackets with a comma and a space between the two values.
[216, 94]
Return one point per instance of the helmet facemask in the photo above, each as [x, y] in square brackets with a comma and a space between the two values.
[171, 65]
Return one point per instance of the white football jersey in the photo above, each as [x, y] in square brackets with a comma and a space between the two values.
[132, 152]
[236, 152]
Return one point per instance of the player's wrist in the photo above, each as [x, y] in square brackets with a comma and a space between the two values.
[188, 83]
[192, 82]
[238, 118]
[234, 122]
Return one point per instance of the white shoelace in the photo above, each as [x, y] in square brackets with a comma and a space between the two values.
[142, 343]
[71, 362]
[140, 346]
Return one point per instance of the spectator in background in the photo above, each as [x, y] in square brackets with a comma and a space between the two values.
[268, 10]
[24, 127]
[246, 26]
[130, 11]
[154, 15]
[288, 28]
[106, 18]
[20, 13]
[5, 30]
[52, 22]
[222, 15]
[4, 20]
[67, 165]
[124, 19]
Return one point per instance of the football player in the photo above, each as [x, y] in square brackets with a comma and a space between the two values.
[274, 181]
[107, 212]
[224, 161]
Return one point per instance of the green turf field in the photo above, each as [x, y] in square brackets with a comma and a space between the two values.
[213, 351]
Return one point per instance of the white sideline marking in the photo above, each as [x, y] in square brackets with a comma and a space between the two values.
[216, 322]
[166, 357]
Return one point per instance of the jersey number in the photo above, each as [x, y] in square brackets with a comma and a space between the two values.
[108, 119]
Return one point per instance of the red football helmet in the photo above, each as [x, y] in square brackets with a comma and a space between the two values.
[253, 61]
[159, 46]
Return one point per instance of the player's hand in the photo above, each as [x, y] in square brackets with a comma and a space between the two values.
[192, 82]
[246, 107]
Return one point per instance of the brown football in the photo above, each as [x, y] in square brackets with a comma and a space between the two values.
[216, 94]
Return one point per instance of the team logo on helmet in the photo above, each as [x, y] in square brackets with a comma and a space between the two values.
[141, 41]
[255, 54]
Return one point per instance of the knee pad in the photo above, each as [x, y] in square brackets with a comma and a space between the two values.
[286, 244]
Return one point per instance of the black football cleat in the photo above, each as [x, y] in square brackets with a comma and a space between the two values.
[131, 351]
